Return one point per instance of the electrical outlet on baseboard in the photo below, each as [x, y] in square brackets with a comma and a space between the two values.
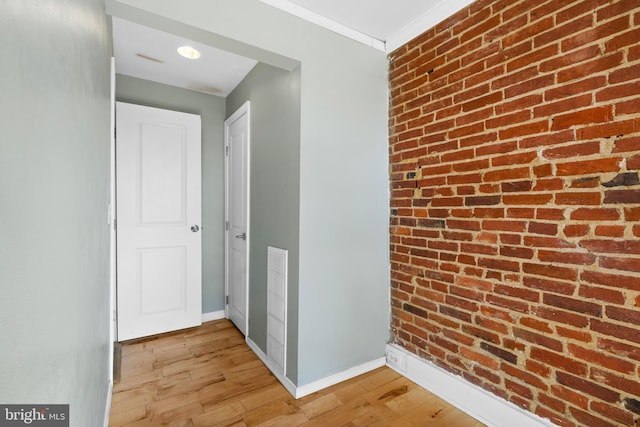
[396, 359]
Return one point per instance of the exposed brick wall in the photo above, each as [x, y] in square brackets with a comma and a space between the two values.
[515, 209]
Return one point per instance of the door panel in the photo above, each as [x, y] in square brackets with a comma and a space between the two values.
[158, 202]
[237, 202]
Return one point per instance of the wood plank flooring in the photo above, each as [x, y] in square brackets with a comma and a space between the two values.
[208, 376]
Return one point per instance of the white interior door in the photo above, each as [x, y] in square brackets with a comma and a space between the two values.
[237, 211]
[158, 220]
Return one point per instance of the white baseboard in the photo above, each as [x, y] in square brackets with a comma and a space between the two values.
[339, 377]
[286, 382]
[298, 392]
[480, 404]
[214, 315]
[107, 408]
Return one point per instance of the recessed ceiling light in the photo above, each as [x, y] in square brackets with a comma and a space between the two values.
[189, 52]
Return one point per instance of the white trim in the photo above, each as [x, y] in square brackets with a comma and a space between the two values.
[307, 389]
[326, 23]
[113, 327]
[286, 382]
[107, 408]
[213, 315]
[244, 109]
[480, 404]
[435, 15]
[339, 377]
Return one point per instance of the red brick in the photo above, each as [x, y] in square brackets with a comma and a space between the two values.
[622, 196]
[547, 242]
[620, 41]
[507, 303]
[570, 396]
[610, 231]
[610, 412]
[526, 199]
[586, 167]
[581, 199]
[512, 161]
[484, 101]
[506, 225]
[602, 294]
[634, 53]
[595, 214]
[611, 280]
[610, 246]
[574, 334]
[597, 33]
[528, 32]
[612, 330]
[533, 57]
[610, 129]
[563, 105]
[571, 304]
[566, 258]
[561, 31]
[566, 60]
[536, 324]
[519, 104]
[562, 316]
[623, 315]
[615, 381]
[517, 292]
[576, 230]
[589, 68]
[625, 74]
[551, 214]
[588, 387]
[616, 9]
[591, 115]
[529, 86]
[632, 214]
[619, 349]
[569, 151]
[581, 8]
[563, 288]
[558, 361]
[589, 420]
[590, 84]
[618, 92]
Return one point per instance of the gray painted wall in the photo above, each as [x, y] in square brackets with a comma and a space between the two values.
[54, 192]
[275, 191]
[344, 188]
[212, 112]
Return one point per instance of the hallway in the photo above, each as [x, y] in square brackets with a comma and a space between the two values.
[208, 376]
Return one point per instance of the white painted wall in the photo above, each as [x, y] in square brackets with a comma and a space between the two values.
[54, 193]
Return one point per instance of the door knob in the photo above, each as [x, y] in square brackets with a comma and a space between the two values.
[242, 236]
[195, 228]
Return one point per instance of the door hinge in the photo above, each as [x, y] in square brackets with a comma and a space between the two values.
[226, 300]
[226, 150]
[226, 225]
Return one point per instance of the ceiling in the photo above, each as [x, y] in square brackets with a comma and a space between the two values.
[383, 24]
[379, 19]
[152, 55]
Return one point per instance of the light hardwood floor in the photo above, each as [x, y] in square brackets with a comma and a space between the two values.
[208, 376]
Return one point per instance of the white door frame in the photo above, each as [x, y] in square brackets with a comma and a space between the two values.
[244, 109]
[113, 327]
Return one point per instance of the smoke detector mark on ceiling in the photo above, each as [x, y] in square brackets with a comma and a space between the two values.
[150, 58]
